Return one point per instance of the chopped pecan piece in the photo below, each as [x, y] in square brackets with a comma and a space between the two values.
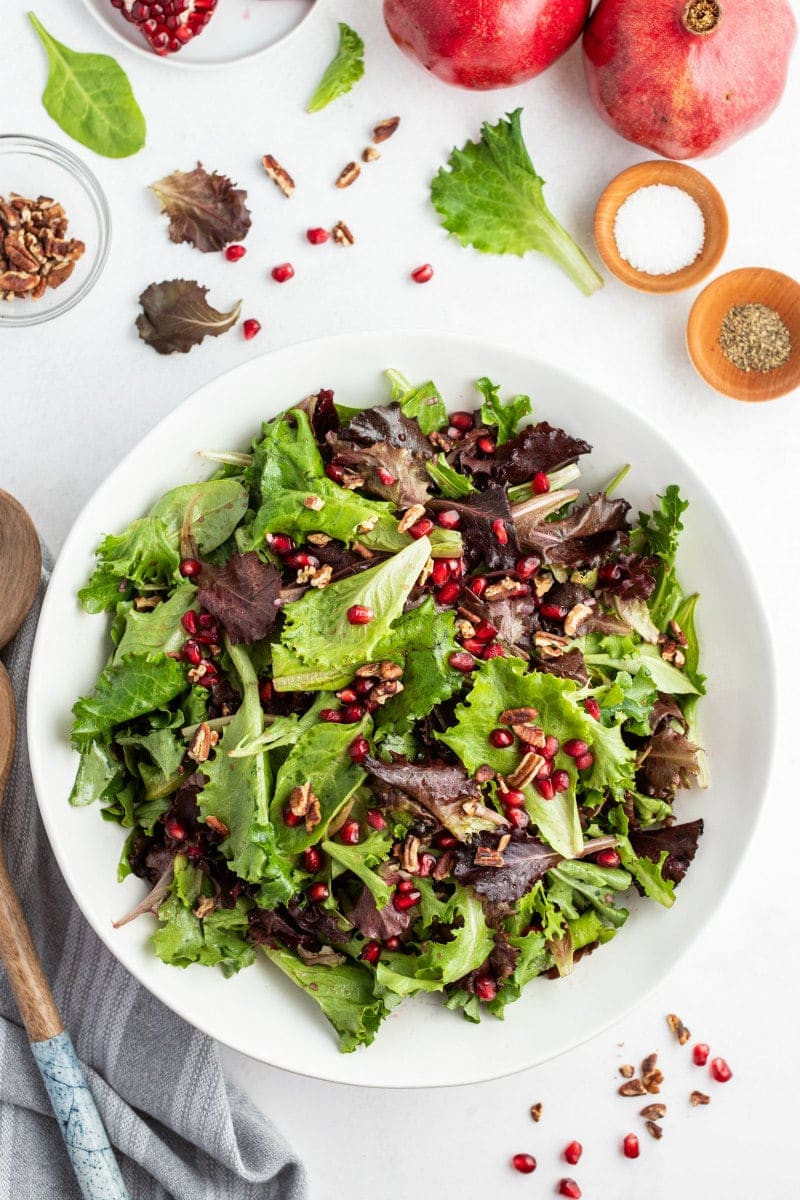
[518, 716]
[201, 744]
[384, 129]
[536, 1112]
[654, 1130]
[527, 770]
[654, 1112]
[204, 907]
[633, 1087]
[278, 174]
[627, 1070]
[485, 856]
[369, 154]
[342, 235]
[678, 1028]
[575, 618]
[550, 645]
[348, 175]
[18, 282]
[699, 1098]
[218, 826]
[410, 517]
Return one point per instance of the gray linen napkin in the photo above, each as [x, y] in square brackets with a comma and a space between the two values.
[179, 1128]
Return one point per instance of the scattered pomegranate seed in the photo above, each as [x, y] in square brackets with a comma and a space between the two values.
[189, 621]
[486, 445]
[405, 886]
[422, 274]
[573, 1152]
[524, 1163]
[358, 749]
[584, 761]
[265, 691]
[495, 650]
[473, 645]
[392, 943]
[312, 859]
[553, 612]
[334, 715]
[550, 747]
[569, 1188]
[363, 686]
[500, 532]
[485, 631]
[607, 858]
[317, 236]
[234, 253]
[371, 952]
[189, 567]
[540, 483]
[299, 559]
[250, 328]
[280, 543]
[720, 1070]
[501, 739]
[592, 708]
[478, 585]
[360, 614]
[421, 528]
[461, 661]
[347, 696]
[352, 713]
[283, 273]
[174, 829]
[560, 781]
[404, 901]
[545, 788]
[630, 1145]
[527, 567]
[350, 833]
[700, 1054]
[518, 818]
[462, 420]
[426, 864]
[335, 472]
[192, 652]
[448, 592]
[448, 519]
[513, 799]
[289, 818]
[575, 748]
[444, 840]
[386, 477]
[440, 572]
[485, 988]
[318, 892]
[375, 819]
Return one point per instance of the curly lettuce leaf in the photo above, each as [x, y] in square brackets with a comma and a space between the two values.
[127, 690]
[425, 639]
[220, 939]
[657, 536]
[204, 209]
[361, 860]
[448, 480]
[505, 416]
[143, 555]
[423, 403]
[176, 316]
[342, 72]
[492, 198]
[346, 993]
[576, 886]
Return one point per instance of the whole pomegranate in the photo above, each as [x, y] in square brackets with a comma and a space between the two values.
[485, 43]
[687, 79]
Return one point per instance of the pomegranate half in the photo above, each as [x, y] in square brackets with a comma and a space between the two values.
[687, 79]
[485, 44]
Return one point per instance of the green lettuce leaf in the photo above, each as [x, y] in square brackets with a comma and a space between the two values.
[492, 198]
[215, 508]
[346, 993]
[657, 535]
[424, 639]
[143, 556]
[505, 416]
[125, 691]
[362, 858]
[424, 403]
[628, 700]
[99, 776]
[644, 871]
[157, 631]
[448, 480]
[343, 71]
[574, 886]
[216, 940]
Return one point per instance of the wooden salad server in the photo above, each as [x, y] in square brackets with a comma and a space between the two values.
[86, 1140]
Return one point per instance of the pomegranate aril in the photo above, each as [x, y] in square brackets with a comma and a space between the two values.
[375, 819]
[405, 886]
[540, 483]
[426, 863]
[250, 328]
[478, 585]
[527, 567]
[206, 621]
[448, 519]
[545, 788]
[462, 420]
[573, 1152]
[265, 691]
[335, 472]
[461, 661]
[485, 631]
[455, 567]
[371, 952]
[313, 859]
[518, 818]
[570, 1189]
[189, 567]
[421, 528]
[174, 829]
[280, 543]
[473, 645]
[454, 434]
[234, 253]
[553, 612]
[299, 559]
[700, 1054]
[550, 747]
[720, 1070]
[630, 1145]
[350, 833]
[352, 713]
[318, 892]
[513, 799]
[386, 477]
[347, 696]
[574, 748]
[403, 902]
[189, 621]
[358, 749]
[444, 841]
[592, 708]
[501, 739]
[440, 572]
[610, 573]
[485, 989]
[607, 858]
[334, 715]
[500, 532]
[192, 652]
[422, 274]
[545, 770]
[486, 445]
[289, 818]
[283, 272]
[392, 943]
[495, 650]
[360, 614]
[363, 686]
[448, 592]
[524, 1163]
[584, 761]
[560, 781]
[317, 236]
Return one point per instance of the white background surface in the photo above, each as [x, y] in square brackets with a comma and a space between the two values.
[78, 393]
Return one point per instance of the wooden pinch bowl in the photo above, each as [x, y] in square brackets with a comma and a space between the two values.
[750, 285]
[671, 174]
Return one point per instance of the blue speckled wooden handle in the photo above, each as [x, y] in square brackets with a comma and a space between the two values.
[84, 1136]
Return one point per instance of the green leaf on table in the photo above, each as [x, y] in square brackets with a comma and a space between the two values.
[89, 96]
[342, 72]
[157, 631]
[213, 508]
[346, 993]
[423, 403]
[505, 416]
[142, 555]
[492, 198]
[125, 691]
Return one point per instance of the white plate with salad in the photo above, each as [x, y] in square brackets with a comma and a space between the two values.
[401, 709]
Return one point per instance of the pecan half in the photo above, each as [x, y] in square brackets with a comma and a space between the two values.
[518, 716]
[218, 826]
[410, 517]
[485, 856]
[654, 1130]
[384, 129]
[699, 1098]
[348, 175]
[201, 744]
[654, 1112]
[527, 770]
[536, 1112]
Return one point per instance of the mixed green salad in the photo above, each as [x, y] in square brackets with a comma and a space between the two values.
[392, 704]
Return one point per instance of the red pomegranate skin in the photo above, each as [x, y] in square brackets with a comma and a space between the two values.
[681, 93]
[484, 44]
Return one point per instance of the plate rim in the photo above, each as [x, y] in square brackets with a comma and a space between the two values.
[769, 667]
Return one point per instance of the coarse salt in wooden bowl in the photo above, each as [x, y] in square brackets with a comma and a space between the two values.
[671, 174]
[750, 285]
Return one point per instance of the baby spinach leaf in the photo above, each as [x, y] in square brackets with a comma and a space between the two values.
[342, 72]
[90, 97]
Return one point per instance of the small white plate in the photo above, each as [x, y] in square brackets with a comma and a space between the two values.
[422, 1044]
[238, 30]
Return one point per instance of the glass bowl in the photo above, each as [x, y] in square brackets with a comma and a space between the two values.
[32, 166]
